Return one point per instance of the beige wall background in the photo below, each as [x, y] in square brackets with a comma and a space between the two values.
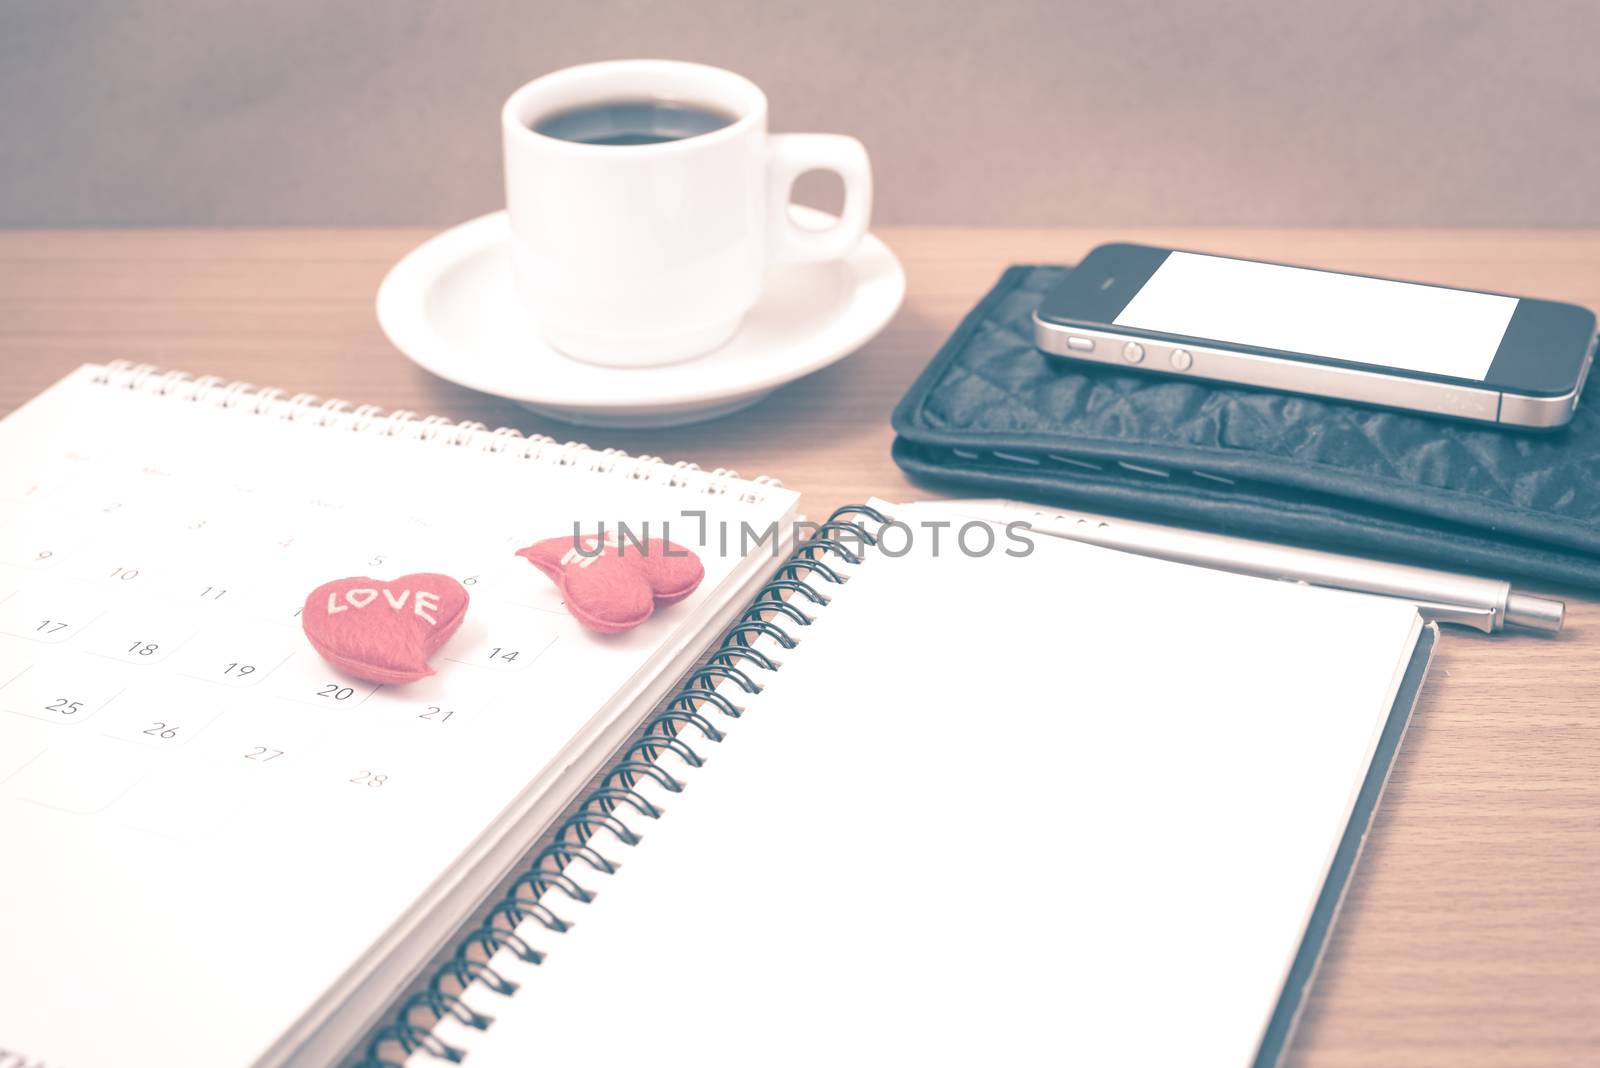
[1427, 112]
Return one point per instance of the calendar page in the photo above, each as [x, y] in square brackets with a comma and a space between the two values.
[205, 828]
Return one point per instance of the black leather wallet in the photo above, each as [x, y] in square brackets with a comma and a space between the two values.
[992, 415]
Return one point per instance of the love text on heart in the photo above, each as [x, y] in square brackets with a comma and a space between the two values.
[423, 603]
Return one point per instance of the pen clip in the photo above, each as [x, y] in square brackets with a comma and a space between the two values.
[1477, 618]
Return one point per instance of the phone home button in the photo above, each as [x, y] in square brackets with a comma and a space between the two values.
[1182, 359]
[1133, 352]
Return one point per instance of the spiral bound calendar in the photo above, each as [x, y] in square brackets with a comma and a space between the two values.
[217, 849]
[1068, 806]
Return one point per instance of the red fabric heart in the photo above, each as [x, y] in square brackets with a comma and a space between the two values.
[614, 587]
[384, 631]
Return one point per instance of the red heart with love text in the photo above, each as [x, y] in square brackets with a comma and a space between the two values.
[384, 631]
[613, 584]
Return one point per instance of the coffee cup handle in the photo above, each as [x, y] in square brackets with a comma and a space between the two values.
[791, 155]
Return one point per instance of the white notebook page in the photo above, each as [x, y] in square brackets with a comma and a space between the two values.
[203, 825]
[1069, 809]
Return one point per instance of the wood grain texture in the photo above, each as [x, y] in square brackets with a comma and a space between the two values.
[1471, 935]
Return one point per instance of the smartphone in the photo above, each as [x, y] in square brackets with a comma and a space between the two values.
[1456, 352]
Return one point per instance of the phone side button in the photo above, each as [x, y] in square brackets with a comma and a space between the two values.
[1182, 359]
[1133, 352]
[1081, 344]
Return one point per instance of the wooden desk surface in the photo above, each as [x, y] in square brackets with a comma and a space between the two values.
[1472, 933]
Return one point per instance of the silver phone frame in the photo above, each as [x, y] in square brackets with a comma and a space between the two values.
[1103, 345]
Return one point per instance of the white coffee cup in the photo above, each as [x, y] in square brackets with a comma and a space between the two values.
[646, 254]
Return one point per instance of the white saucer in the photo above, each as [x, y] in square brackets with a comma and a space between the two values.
[448, 305]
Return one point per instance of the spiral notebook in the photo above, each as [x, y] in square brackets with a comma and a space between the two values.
[218, 850]
[949, 805]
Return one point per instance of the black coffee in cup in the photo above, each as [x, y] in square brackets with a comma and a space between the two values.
[632, 122]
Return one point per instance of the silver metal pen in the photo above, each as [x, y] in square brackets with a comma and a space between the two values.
[1442, 596]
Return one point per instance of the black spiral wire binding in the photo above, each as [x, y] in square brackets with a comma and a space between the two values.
[546, 877]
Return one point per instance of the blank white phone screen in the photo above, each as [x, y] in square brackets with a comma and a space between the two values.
[1400, 325]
